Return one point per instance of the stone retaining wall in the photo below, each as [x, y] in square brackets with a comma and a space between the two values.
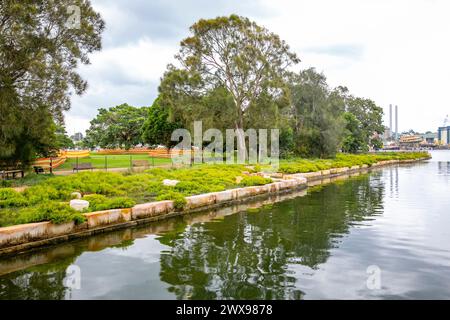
[13, 238]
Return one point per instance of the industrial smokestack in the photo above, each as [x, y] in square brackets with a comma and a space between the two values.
[396, 122]
[390, 120]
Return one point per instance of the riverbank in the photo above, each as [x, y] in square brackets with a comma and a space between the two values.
[24, 237]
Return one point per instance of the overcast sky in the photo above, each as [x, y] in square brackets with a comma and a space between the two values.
[390, 51]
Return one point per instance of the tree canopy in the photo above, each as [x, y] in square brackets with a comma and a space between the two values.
[157, 128]
[232, 54]
[316, 115]
[41, 45]
[117, 127]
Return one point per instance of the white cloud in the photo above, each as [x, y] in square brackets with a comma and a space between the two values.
[128, 74]
[392, 52]
[404, 43]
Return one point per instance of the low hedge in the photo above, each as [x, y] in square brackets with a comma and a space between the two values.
[299, 165]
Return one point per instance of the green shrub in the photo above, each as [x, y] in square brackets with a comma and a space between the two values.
[299, 165]
[55, 212]
[179, 201]
[98, 202]
[12, 198]
[254, 181]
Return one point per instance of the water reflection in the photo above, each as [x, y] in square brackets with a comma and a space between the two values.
[247, 255]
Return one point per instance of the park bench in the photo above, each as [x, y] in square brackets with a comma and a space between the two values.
[7, 173]
[82, 166]
[140, 163]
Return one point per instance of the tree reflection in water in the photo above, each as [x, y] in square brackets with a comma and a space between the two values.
[247, 255]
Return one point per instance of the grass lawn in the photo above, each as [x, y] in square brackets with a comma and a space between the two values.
[113, 161]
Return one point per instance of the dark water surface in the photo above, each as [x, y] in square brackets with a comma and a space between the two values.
[384, 235]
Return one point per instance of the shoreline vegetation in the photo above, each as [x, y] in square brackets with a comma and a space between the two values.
[46, 198]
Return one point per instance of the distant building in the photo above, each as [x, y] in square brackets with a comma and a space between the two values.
[387, 135]
[77, 137]
[430, 137]
[410, 141]
[443, 135]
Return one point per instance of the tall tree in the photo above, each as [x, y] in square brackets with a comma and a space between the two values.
[316, 115]
[157, 128]
[354, 139]
[117, 127]
[370, 117]
[233, 53]
[42, 42]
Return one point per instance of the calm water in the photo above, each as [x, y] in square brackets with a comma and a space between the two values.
[384, 235]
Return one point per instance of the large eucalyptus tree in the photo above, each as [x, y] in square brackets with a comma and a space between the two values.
[233, 53]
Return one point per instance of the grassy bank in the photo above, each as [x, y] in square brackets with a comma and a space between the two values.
[299, 165]
[47, 197]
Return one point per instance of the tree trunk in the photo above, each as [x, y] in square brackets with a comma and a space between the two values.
[240, 137]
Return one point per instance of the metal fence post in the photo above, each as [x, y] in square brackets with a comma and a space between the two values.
[51, 165]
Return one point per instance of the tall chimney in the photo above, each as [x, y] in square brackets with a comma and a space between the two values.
[390, 120]
[396, 122]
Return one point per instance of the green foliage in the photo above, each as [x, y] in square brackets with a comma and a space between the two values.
[62, 139]
[179, 201]
[51, 211]
[248, 181]
[117, 127]
[157, 128]
[30, 179]
[232, 76]
[316, 117]
[370, 119]
[55, 212]
[40, 54]
[108, 190]
[298, 165]
[11, 198]
[354, 139]
[98, 202]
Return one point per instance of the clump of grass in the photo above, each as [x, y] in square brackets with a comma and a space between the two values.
[11, 198]
[179, 201]
[98, 202]
[55, 212]
[254, 181]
